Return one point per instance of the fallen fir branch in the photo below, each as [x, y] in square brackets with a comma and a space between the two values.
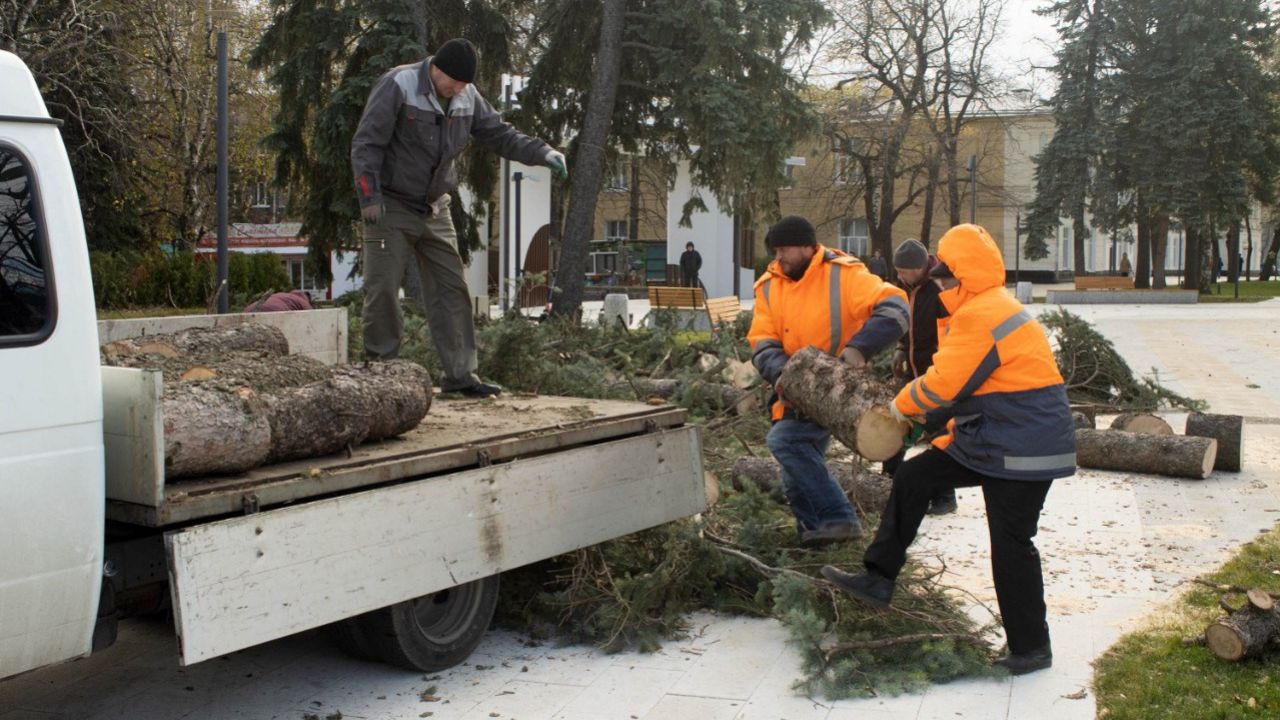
[878, 643]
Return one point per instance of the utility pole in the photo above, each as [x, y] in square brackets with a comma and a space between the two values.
[222, 289]
[973, 188]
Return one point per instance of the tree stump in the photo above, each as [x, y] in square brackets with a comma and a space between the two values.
[848, 402]
[200, 341]
[1245, 632]
[1170, 455]
[1228, 430]
[1141, 423]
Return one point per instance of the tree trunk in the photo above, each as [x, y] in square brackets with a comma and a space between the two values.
[868, 491]
[1159, 251]
[588, 166]
[1142, 263]
[1170, 455]
[1141, 423]
[1245, 632]
[1232, 263]
[850, 403]
[1191, 258]
[200, 341]
[1269, 260]
[211, 431]
[1228, 430]
[1077, 242]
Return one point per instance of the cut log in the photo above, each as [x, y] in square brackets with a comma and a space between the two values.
[868, 491]
[212, 431]
[1244, 633]
[1228, 430]
[1142, 423]
[850, 403]
[1081, 420]
[263, 371]
[1170, 455]
[400, 393]
[201, 341]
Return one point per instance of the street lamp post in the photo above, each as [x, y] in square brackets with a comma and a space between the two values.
[1017, 247]
[973, 188]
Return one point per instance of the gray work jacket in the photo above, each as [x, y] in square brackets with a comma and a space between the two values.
[406, 145]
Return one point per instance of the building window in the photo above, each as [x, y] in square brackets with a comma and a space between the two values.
[847, 169]
[615, 231]
[298, 275]
[26, 298]
[789, 169]
[261, 198]
[619, 178]
[853, 236]
[603, 263]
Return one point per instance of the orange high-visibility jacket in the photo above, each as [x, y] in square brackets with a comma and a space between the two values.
[994, 374]
[838, 303]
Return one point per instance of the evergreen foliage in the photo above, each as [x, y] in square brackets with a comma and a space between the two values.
[133, 279]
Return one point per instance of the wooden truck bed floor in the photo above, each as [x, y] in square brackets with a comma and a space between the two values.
[455, 435]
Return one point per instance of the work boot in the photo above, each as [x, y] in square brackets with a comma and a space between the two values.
[943, 504]
[1023, 663]
[481, 390]
[830, 533]
[871, 588]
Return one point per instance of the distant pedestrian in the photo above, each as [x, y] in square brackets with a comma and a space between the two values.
[878, 266]
[1126, 267]
[690, 264]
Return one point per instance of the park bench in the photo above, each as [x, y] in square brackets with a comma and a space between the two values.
[723, 309]
[663, 296]
[1104, 282]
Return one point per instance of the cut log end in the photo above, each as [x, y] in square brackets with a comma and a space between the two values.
[1261, 599]
[879, 435]
[1145, 423]
[1224, 641]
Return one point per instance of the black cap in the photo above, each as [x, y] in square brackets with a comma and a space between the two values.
[941, 271]
[457, 59]
[791, 230]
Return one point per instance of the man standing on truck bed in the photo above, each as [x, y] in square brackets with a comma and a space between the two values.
[811, 295]
[415, 125]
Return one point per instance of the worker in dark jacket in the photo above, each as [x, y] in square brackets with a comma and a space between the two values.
[811, 295]
[912, 263]
[416, 123]
[690, 264]
[1009, 431]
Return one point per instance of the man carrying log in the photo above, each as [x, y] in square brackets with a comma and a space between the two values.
[811, 295]
[1009, 431]
[416, 123]
[912, 263]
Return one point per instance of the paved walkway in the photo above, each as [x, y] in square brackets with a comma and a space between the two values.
[1114, 546]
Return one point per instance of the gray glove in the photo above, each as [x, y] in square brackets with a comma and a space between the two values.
[555, 161]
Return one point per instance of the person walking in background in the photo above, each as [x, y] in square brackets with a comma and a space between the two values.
[1126, 267]
[690, 264]
[912, 263]
[416, 123]
[878, 266]
[1010, 432]
[811, 295]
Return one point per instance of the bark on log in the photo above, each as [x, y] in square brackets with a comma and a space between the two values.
[1244, 633]
[850, 403]
[210, 430]
[1141, 423]
[1228, 430]
[1171, 455]
[265, 372]
[1081, 420]
[868, 491]
[201, 341]
[400, 391]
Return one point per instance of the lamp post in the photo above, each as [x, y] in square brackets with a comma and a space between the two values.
[221, 183]
[973, 188]
[1017, 247]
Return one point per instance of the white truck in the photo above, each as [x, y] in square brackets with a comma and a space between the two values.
[397, 547]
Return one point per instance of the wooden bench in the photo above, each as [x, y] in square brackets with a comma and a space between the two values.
[663, 296]
[1104, 282]
[723, 309]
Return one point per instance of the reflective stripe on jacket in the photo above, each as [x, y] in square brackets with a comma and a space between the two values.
[837, 304]
[994, 374]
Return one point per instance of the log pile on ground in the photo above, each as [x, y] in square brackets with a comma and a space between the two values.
[1139, 422]
[1228, 430]
[1172, 455]
[850, 403]
[234, 399]
[1246, 631]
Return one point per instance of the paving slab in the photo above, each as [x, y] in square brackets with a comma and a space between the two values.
[1115, 546]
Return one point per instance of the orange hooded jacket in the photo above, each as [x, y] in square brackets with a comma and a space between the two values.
[838, 303]
[994, 374]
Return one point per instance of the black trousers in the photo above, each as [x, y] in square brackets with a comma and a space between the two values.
[890, 468]
[1013, 516]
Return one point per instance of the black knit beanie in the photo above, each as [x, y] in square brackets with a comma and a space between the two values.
[457, 59]
[791, 230]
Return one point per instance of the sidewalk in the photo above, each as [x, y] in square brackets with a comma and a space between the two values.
[1114, 547]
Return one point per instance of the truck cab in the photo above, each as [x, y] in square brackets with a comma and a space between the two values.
[51, 447]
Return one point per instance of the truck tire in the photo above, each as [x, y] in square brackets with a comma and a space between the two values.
[350, 637]
[435, 631]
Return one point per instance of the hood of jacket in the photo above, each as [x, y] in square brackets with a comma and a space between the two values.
[975, 259]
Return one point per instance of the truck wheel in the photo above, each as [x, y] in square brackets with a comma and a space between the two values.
[435, 631]
[350, 637]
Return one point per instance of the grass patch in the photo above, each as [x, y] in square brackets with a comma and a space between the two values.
[1251, 291]
[1152, 673]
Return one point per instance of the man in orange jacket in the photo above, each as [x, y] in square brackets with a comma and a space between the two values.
[1009, 431]
[814, 296]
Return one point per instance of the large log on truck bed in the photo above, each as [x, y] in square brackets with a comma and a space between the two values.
[1228, 430]
[214, 430]
[850, 403]
[200, 341]
[1171, 455]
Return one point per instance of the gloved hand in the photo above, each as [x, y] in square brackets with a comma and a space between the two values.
[913, 435]
[555, 160]
[897, 414]
[777, 390]
[374, 213]
[900, 367]
[851, 357]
